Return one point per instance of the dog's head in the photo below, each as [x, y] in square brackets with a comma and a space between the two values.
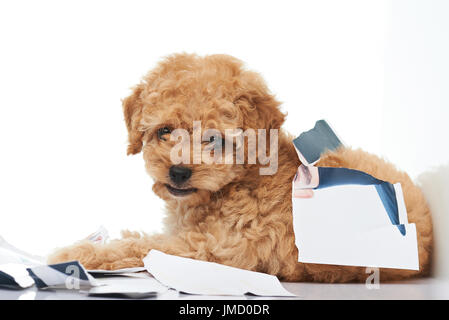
[213, 93]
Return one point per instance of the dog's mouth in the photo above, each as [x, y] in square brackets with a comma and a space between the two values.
[180, 192]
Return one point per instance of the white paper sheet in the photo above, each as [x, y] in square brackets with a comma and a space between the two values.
[129, 286]
[201, 277]
[348, 225]
[117, 271]
[18, 272]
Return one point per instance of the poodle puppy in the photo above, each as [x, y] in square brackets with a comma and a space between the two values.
[230, 213]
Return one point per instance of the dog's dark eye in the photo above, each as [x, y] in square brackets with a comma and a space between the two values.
[217, 142]
[216, 139]
[163, 131]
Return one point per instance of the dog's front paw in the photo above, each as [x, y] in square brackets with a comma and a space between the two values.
[111, 256]
[85, 252]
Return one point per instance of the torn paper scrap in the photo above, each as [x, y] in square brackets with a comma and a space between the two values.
[310, 145]
[10, 254]
[101, 236]
[116, 271]
[355, 224]
[13, 264]
[68, 275]
[141, 275]
[14, 276]
[201, 277]
[128, 287]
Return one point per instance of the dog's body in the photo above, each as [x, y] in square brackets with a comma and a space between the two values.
[229, 213]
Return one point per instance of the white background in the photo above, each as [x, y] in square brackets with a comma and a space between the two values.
[377, 70]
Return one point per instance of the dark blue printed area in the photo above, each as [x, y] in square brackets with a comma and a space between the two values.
[6, 281]
[38, 281]
[63, 267]
[316, 141]
[330, 177]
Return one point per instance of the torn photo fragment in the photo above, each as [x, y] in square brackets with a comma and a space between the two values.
[66, 275]
[14, 276]
[348, 217]
[13, 264]
[73, 276]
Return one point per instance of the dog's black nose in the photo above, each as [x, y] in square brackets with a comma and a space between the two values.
[179, 174]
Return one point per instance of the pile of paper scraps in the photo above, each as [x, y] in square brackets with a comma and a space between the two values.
[347, 217]
[161, 272]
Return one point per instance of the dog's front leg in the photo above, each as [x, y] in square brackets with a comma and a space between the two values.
[121, 253]
[133, 247]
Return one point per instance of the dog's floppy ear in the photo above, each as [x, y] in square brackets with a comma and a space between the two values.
[132, 108]
[259, 107]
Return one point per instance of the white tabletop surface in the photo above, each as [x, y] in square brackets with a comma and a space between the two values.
[417, 289]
